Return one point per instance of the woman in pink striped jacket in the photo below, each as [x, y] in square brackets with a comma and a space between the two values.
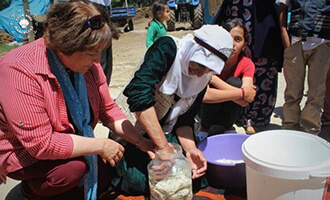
[53, 92]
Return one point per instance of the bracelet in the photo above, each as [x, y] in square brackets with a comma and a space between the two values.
[243, 93]
[137, 144]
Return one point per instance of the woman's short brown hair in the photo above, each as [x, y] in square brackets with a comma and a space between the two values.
[66, 30]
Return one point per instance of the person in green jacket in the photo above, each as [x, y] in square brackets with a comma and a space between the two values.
[164, 95]
[156, 28]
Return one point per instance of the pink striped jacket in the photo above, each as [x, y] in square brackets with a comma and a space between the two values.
[34, 121]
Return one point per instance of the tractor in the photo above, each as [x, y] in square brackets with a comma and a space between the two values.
[185, 11]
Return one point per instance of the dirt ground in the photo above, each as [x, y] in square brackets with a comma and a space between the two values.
[130, 48]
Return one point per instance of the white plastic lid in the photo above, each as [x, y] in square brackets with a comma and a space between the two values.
[287, 154]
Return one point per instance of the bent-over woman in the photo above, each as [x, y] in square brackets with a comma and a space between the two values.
[165, 95]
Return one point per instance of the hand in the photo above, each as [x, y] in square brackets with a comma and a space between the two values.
[112, 151]
[146, 145]
[168, 149]
[162, 166]
[198, 162]
[249, 93]
[160, 169]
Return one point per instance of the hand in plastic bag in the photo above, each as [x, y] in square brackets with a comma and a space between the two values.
[161, 152]
[163, 162]
[161, 169]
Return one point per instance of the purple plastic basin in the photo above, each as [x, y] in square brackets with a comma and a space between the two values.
[225, 146]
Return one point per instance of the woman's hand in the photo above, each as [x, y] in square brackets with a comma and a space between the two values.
[168, 149]
[146, 145]
[198, 162]
[160, 170]
[194, 155]
[249, 93]
[109, 150]
[112, 151]
[149, 121]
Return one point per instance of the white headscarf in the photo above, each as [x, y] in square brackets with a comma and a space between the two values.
[187, 87]
[178, 80]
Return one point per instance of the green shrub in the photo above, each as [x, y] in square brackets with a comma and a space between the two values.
[5, 48]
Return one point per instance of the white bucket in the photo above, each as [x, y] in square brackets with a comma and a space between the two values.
[286, 165]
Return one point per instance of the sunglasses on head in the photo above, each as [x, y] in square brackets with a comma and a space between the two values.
[96, 22]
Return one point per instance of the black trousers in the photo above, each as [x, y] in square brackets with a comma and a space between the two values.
[225, 114]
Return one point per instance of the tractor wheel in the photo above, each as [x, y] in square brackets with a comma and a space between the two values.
[198, 17]
[130, 25]
[171, 22]
[126, 28]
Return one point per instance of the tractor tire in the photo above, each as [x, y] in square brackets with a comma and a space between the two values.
[126, 28]
[130, 25]
[171, 22]
[198, 17]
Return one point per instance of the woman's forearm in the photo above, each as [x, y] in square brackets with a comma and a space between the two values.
[109, 150]
[249, 89]
[149, 121]
[214, 95]
[186, 137]
[124, 129]
[84, 145]
[220, 84]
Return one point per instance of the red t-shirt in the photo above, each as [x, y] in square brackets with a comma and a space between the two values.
[244, 68]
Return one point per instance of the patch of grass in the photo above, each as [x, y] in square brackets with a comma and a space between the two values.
[4, 48]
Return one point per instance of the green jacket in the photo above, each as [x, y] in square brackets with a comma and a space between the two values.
[156, 30]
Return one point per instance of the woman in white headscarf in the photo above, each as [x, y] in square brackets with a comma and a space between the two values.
[165, 94]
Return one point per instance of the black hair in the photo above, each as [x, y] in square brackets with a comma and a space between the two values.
[232, 23]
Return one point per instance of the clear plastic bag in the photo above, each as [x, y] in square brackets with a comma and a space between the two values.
[170, 176]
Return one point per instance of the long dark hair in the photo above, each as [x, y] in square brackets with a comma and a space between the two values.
[232, 23]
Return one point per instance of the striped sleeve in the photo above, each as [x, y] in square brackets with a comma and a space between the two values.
[108, 110]
[25, 107]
